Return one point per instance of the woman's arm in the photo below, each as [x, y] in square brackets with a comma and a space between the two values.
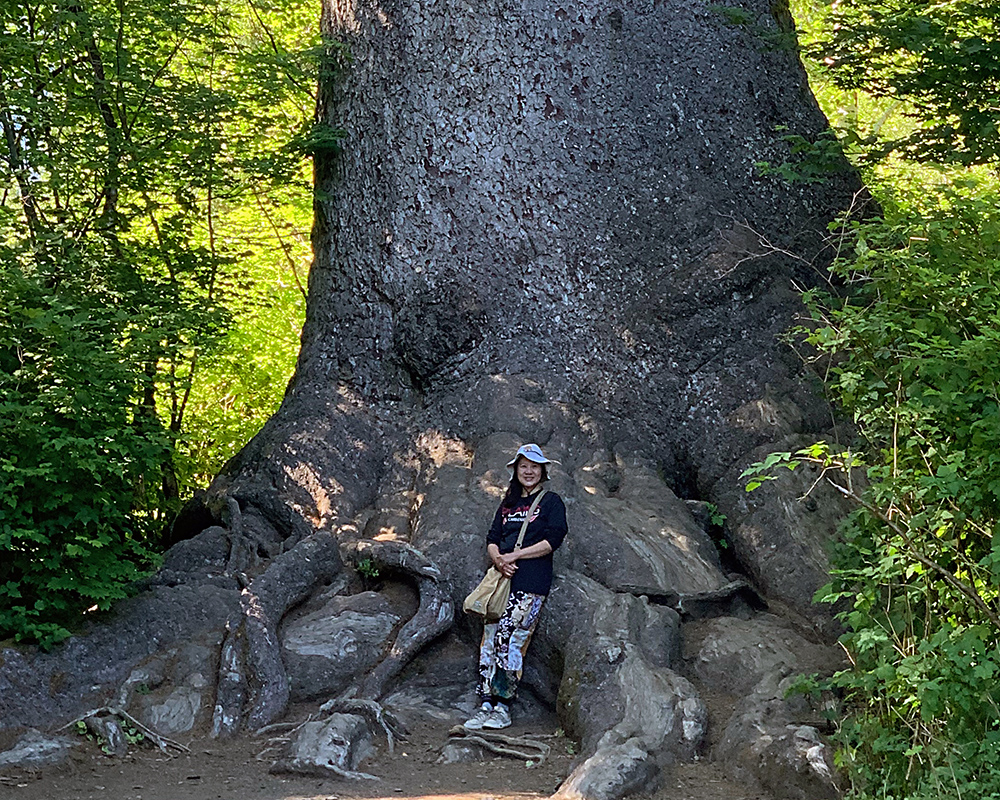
[508, 561]
[542, 548]
[504, 564]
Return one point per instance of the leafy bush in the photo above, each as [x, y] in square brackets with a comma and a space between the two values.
[942, 59]
[920, 344]
[912, 351]
[80, 457]
[146, 193]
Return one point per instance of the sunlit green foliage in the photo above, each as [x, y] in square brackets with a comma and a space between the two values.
[240, 383]
[910, 349]
[917, 347]
[152, 223]
[941, 59]
[80, 457]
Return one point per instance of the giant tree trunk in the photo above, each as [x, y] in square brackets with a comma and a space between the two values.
[551, 219]
[569, 192]
[547, 222]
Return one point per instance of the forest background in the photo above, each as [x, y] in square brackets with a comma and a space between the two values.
[154, 246]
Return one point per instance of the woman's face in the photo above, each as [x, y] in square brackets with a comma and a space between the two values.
[529, 474]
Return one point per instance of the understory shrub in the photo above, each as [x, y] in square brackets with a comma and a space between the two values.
[911, 350]
[80, 461]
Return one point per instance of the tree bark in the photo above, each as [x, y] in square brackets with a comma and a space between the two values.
[566, 192]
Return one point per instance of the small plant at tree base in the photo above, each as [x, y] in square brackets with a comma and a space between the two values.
[368, 569]
[715, 516]
[133, 735]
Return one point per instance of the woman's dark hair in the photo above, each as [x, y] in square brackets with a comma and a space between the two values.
[513, 493]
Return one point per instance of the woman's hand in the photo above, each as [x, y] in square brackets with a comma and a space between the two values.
[507, 564]
[502, 563]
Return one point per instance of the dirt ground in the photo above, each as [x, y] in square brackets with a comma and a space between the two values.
[215, 770]
[239, 769]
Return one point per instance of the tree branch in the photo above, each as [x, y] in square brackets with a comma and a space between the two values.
[946, 576]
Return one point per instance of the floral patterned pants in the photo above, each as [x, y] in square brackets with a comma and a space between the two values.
[501, 654]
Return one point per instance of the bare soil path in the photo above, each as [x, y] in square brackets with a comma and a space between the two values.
[216, 770]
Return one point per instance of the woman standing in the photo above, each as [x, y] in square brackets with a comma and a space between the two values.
[505, 642]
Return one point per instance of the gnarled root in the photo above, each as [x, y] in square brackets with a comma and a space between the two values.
[335, 746]
[523, 748]
[374, 714]
[433, 618]
[253, 685]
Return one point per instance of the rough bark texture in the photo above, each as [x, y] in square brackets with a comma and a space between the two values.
[568, 189]
[546, 223]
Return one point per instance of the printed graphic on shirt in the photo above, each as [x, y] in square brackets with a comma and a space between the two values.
[517, 515]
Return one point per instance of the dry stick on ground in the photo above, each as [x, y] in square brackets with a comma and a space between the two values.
[278, 741]
[503, 745]
[290, 727]
[161, 741]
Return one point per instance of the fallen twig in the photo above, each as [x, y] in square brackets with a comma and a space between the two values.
[274, 742]
[504, 745]
[284, 726]
[160, 741]
[272, 745]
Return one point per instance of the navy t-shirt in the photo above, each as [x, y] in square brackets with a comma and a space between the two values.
[547, 523]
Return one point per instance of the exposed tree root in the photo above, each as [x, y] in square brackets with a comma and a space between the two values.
[373, 713]
[433, 618]
[271, 506]
[253, 686]
[524, 748]
[241, 549]
[230, 691]
[323, 769]
[331, 746]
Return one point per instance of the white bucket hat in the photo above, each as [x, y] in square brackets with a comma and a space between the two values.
[532, 452]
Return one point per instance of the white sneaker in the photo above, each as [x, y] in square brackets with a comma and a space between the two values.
[478, 720]
[500, 718]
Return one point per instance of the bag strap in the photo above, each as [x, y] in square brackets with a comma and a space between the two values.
[527, 519]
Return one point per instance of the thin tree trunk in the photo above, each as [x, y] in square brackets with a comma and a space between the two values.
[20, 169]
[101, 91]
